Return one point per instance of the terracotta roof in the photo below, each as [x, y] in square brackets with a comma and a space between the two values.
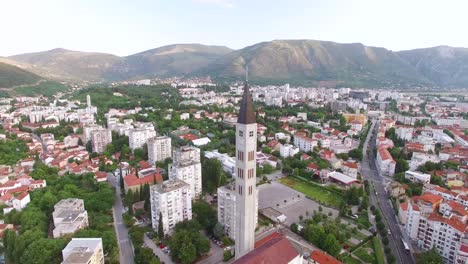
[453, 222]
[431, 198]
[132, 180]
[246, 112]
[262, 241]
[458, 208]
[144, 164]
[277, 250]
[464, 248]
[404, 206]
[22, 196]
[312, 166]
[100, 174]
[323, 258]
[385, 155]
[351, 165]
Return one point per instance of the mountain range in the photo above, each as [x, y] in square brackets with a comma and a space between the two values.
[300, 62]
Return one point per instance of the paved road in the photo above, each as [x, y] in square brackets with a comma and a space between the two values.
[125, 245]
[163, 257]
[380, 199]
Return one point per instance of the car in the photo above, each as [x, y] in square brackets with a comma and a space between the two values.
[161, 246]
[389, 232]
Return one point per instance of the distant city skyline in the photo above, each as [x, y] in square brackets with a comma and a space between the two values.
[126, 27]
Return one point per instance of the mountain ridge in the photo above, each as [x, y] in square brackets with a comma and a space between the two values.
[300, 61]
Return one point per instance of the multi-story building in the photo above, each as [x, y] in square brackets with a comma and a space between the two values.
[139, 136]
[87, 129]
[159, 149]
[433, 223]
[100, 138]
[304, 143]
[418, 177]
[83, 250]
[187, 167]
[288, 150]
[172, 201]
[69, 216]
[385, 163]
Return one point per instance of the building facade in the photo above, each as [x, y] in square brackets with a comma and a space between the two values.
[139, 137]
[385, 163]
[83, 250]
[159, 149]
[172, 201]
[100, 138]
[187, 167]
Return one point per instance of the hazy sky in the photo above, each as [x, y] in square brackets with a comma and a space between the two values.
[123, 27]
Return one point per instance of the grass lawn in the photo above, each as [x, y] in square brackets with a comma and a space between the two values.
[364, 256]
[351, 260]
[314, 192]
[363, 220]
[378, 250]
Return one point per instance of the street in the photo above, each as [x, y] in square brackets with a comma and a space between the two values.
[163, 257]
[380, 199]
[125, 245]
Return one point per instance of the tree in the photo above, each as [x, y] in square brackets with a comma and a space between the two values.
[205, 215]
[187, 243]
[355, 154]
[145, 256]
[331, 245]
[213, 175]
[429, 257]
[401, 166]
[218, 231]
[160, 227]
[44, 250]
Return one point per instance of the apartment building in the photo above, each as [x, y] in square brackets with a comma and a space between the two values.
[418, 177]
[139, 136]
[159, 149]
[69, 216]
[187, 167]
[100, 138]
[83, 250]
[304, 143]
[288, 150]
[87, 129]
[385, 163]
[172, 201]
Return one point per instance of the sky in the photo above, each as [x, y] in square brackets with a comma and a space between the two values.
[125, 27]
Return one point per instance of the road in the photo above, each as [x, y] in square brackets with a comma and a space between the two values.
[125, 245]
[380, 199]
[163, 257]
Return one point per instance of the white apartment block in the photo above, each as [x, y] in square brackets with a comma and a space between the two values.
[288, 150]
[444, 229]
[304, 143]
[100, 138]
[83, 250]
[159, 149]
[187, 167]
[227, 209]
[172, 200]
[405, 133]
[69, 216]
[87, 129]
[228, 163]
[139, 136]
[385, 163]
[418, 177]
[420, 158]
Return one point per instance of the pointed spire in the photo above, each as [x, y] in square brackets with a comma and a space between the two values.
[246, 113]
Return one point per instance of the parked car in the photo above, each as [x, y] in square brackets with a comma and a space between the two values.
[161, 246]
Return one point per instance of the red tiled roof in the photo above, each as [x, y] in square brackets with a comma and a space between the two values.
[385, 155]
[431, 198]
[312, 166]
[453, 222]
[404, 206]
[458, 208]
[323, 258]
[276, 250]
[22, 196]
[144, 164]
[262, 241]
[351, 165]
[132, 180]
[100, 174]
[464, 248]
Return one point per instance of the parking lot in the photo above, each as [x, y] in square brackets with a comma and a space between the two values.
[288, 201]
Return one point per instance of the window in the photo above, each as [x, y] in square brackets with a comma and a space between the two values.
[251, 155]
[240, 173]
[240, 155]
[241, 133]
[250, 173]
[240, 190]
[251, 133]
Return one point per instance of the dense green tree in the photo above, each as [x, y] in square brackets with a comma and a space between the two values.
[187, 243]
[205, 215]
[429, 257]
[331, 245]
[213, 175]
[11, 151]
[145, 256]
[44, 250]
[160, 227]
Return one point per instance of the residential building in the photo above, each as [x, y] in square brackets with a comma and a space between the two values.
[385, 163]
[187, 167]
[139, 136]
[418, 177]
[148, 176]
[228, 163]
[83, 251]
[350, 169]
[159, 149]
[87, 129]
[69, 216]
[171, 200]
[100, 138]
[304, 143]
[320, 257]
[288, 150]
